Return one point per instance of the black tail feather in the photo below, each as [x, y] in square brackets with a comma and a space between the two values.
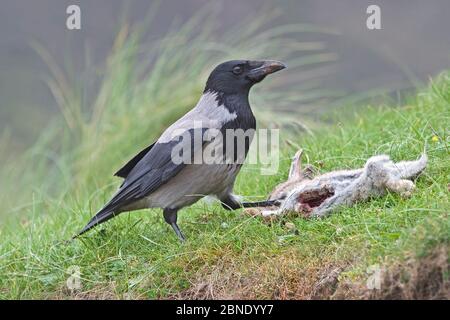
[102, 216]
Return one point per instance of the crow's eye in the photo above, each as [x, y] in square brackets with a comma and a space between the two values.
[237, 70]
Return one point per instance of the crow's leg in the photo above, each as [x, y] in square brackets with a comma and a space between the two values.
[170, 215]
[266, 203]
[230, 202]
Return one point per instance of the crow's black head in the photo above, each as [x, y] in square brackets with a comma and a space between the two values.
[238, 76]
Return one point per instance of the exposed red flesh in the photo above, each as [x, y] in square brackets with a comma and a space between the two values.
[311, 199]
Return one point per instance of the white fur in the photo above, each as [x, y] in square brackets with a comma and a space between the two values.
[379, 174]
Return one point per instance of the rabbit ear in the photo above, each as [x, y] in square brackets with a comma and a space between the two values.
[296, 166]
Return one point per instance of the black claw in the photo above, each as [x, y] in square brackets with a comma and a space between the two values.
[267, 203]
[178, 232]
[170, 215]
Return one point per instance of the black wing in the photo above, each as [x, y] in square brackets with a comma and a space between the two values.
[126, 169]
[151, 172]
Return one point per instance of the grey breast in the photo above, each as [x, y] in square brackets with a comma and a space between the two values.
[201, 179]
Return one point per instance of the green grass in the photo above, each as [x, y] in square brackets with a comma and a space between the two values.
[137, 255]
[49, 193]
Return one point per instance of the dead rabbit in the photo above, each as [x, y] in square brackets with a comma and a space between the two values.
[318, 196]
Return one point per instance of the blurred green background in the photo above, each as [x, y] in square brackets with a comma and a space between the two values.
[412, 46]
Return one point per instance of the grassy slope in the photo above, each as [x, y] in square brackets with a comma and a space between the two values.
[231, 255]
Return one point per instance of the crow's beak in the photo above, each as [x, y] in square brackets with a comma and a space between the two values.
[263, 68]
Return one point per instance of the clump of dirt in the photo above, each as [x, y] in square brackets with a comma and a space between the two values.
[325, 287]
[422, 278]
[284, 277]
[293, 275]
[280, 277]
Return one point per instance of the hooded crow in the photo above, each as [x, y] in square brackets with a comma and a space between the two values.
[168, 175]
